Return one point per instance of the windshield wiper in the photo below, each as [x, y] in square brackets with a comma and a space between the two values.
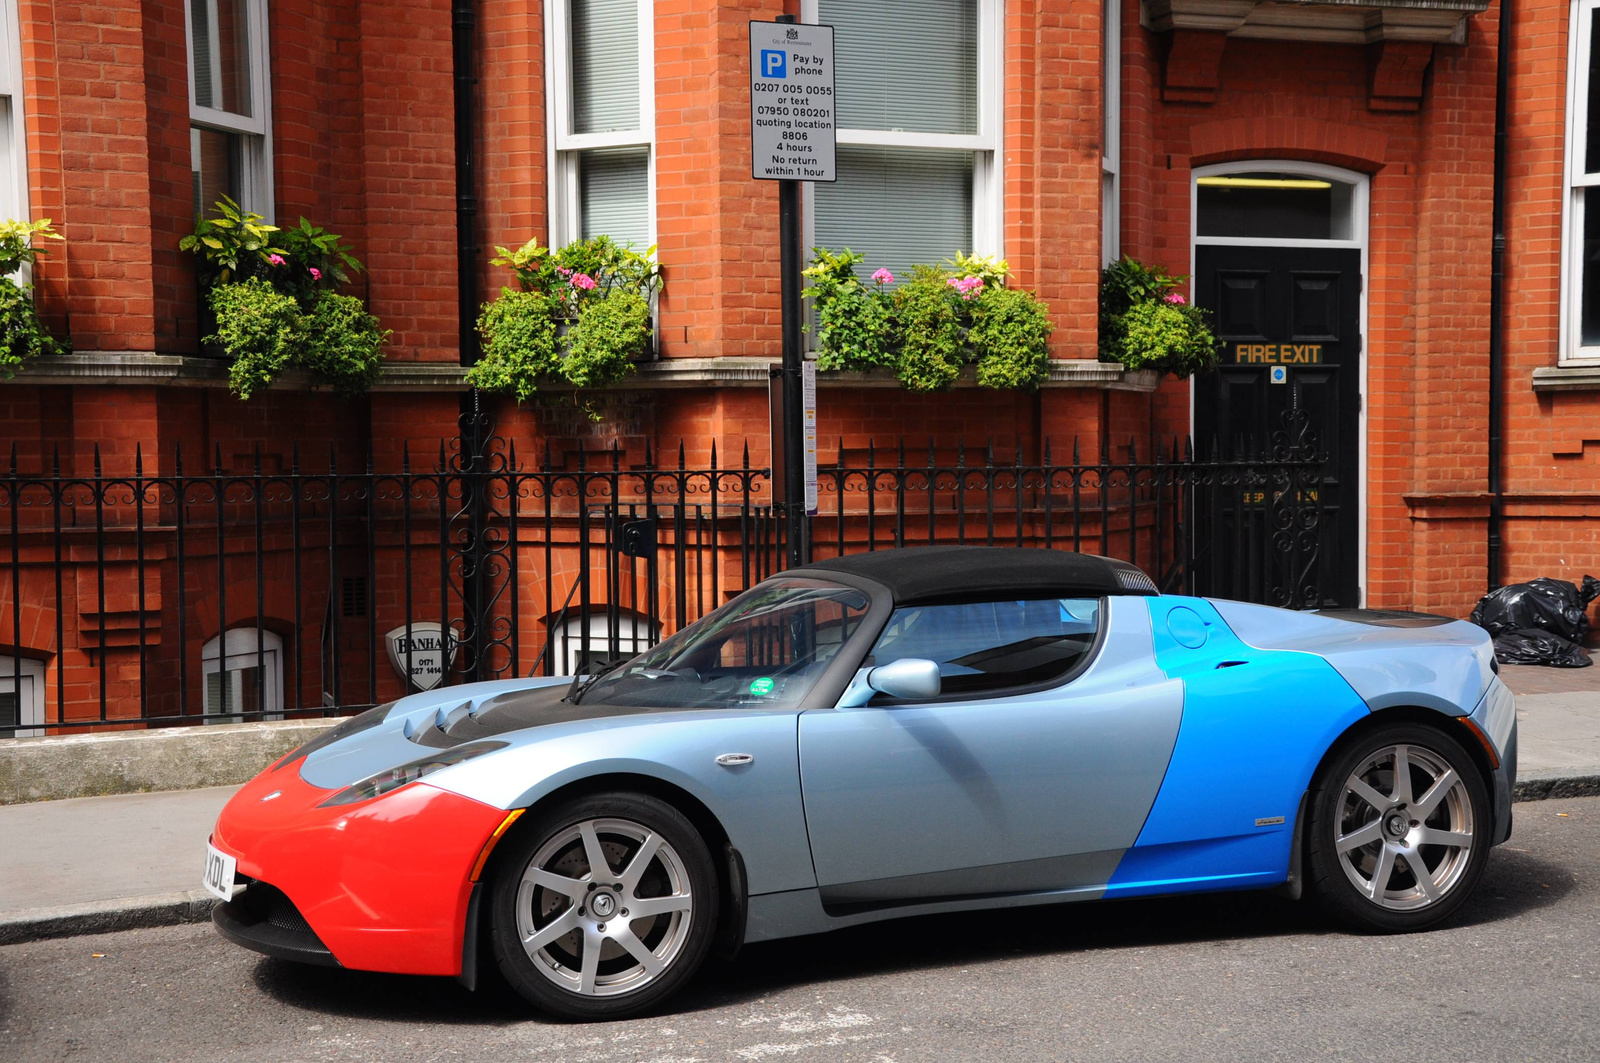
[580, 686]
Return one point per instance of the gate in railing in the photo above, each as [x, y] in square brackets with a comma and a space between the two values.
[250, 593]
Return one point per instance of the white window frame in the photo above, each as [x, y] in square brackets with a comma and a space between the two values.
[11, 86]
[988, 178]
[565, 222]
[30, 701]
[1111, 150]
[256, 186]
[1572, 351]
[238, 646]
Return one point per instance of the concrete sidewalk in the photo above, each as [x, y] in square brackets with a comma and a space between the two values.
[92, 864]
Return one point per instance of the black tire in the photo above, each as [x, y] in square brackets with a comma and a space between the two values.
[553, 975]
[1403, 830]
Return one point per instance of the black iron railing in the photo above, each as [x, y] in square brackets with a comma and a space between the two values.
[222, 594]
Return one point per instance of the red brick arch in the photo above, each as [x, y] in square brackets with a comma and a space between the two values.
[1303, 139]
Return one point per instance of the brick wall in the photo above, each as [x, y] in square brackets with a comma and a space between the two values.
[363, 144]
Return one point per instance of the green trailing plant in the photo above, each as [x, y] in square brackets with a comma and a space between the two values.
[261, 328]
[273, 295]
[519, 344]
[1011, 336]
[928, 331]
[854, 322]
[346, 351]
[607, 336]
[580, 315]
[932, 324]
[1147, 323]
[1168, 336]
[23, 336]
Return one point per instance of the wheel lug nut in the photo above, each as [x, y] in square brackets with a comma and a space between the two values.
[624, 913]
[601, 927]
[593, 886]
[581, 911]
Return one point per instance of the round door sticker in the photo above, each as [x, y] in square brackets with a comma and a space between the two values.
[761, 687]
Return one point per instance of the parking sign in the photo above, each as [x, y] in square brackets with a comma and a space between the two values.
[791, 102]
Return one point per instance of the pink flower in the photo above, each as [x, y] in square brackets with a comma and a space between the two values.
[316, 274]
[967, 286]
[564, 271]
[582, 280]
[883, 276]
[276, 260]
[1176, 298]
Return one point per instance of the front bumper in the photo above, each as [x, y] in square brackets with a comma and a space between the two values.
[381, 886]
[1496, 716]
[264, 919]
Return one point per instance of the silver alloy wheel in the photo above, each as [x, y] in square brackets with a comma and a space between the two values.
[1405, 830]
[611, 932]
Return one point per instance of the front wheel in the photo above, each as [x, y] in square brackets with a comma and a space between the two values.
[1400, 829]
[605, 907]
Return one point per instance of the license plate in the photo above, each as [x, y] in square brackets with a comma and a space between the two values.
[218, 877]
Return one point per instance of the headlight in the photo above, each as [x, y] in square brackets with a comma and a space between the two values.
[385, 781]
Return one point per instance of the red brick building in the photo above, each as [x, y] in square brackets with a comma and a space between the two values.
[1326, 171]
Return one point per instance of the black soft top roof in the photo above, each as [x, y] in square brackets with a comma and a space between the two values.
[950, 573]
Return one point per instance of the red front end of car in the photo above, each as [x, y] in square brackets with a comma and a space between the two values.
[380, 885]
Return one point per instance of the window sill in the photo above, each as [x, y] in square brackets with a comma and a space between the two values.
[141, 368]
[1567, 378]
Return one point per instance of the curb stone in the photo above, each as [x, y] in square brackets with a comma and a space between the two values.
[194, 906]
[1550, 784]
[104, 917]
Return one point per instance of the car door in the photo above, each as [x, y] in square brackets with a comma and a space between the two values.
[1012, 780]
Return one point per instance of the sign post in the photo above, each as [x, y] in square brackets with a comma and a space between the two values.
[792, 139]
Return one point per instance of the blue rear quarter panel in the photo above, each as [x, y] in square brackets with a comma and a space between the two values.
[1251, 737]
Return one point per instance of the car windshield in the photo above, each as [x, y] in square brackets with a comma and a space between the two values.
[768, 646]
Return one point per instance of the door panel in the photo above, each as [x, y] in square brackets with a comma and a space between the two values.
[1241, 312]
[1298, 310]
[1314, 307]
[997, 795]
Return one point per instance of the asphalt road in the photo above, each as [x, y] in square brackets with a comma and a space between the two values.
[1239, 976]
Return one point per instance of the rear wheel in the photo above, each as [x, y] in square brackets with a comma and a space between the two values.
[1400, 829]
[605, 907]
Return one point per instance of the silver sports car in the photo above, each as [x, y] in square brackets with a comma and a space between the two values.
[891, 733]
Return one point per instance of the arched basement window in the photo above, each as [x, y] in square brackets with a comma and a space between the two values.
[634, 636]
[1275, 205]
[231, 663]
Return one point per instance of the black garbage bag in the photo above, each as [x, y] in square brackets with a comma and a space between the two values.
[1530, 645]
[1552, 605]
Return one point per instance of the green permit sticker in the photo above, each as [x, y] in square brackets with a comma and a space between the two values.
[761, 686]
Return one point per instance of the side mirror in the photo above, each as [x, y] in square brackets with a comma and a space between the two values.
[909, 679]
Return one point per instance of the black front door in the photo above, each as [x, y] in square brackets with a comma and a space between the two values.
[1289, 320]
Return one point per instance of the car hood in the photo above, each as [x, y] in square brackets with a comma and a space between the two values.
[1390, 658]
[416, 726]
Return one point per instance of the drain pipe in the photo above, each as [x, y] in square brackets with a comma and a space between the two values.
[463, 28]
[1497, 267]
